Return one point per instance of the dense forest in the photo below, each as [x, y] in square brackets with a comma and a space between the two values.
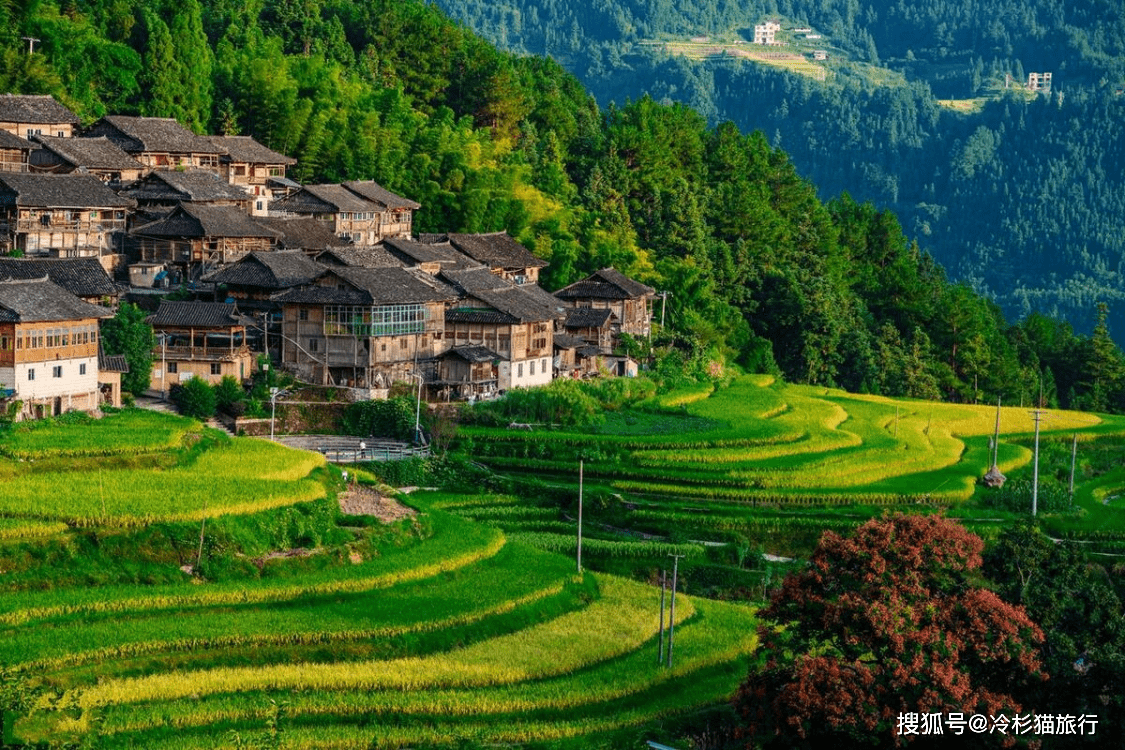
[1021, 197]
[759, 269]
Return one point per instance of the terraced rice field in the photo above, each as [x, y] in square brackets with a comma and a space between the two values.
[467, 635]
[751, 458]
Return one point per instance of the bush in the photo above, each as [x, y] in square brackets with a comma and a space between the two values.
[229, 396]
[393, 418]
[194, 398]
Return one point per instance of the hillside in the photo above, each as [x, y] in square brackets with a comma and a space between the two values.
[759, 269]
[922, 108]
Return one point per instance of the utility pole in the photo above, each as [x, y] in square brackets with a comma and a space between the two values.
[579, 548]
[1037, 415]
[672, 614]
[1073, 461]
[663, 588]
[30, 43]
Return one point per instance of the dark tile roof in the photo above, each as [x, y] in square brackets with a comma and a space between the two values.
[502, 295]
[478, 315]
[380, 196]
[243, 148]
[11, 142]
[473, 354]
[196, 186]
[194, 315]
[497, 249]
[566, 341]
[82, 277]
[301, 234]
[372, 286]
[152, 134]
[92, 153]
[587, 317]
[39, 300]
[34, 109]
[269, 270]
[61, 191]
[415, 252]
[111, 362]
[608, 283]
[324, 199]
[361, 257]
[198, 220]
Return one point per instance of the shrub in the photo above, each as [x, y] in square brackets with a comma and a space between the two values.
[194, 398]
[229, 396]
[393, 418]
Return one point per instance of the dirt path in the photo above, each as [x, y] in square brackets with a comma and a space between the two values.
[359, 500]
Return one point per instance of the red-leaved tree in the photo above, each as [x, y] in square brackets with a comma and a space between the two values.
[886, 622]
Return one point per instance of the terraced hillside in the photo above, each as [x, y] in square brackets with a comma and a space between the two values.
[758, 457]
[434, 629]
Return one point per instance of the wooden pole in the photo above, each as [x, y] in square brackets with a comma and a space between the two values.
[1073, 461]
[672, 613]
[663, 588]
[1038, 416]
[579, 549]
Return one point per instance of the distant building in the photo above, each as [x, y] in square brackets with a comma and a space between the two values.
[100, 157]
[628, 302]
[35, 115]
[250, 165]
[60, 215]
[158, 142]
[764, 33]
[48, 348]
[14, 152]
[1039, 81]
[204, 340]
[819, 55]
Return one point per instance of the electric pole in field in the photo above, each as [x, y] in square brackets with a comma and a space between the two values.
[578, 556]
[1037, 415]
[672, 614]
[663, 588]
[1073, 461]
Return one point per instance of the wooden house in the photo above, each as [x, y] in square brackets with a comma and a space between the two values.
[394, 214]
[515, 321]
[48, 348]
[85, 278]
[64, 216]
[360, 257]
[100, 157]
[15, 152]
[467, 373]
[630, 301]
[307, 235]
[250, 165]
[158, 142]
[349, 216]
[162, 190]
[498, 252]
[198, 340]
[431, 257]
[199, 238]
[26, 116]
[364, 327]
[593, 325]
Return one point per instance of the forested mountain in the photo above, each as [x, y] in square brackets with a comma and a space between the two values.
[758, 267]
[1020, 195]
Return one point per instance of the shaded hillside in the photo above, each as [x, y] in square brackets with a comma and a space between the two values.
[1016, 194]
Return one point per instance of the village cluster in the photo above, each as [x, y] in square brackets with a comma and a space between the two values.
[328, 280]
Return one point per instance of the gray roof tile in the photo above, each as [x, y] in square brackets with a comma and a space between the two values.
[195, 315]
[60, 191]
[92, 153]
[34, 109]
[82, 277]
[39, 300]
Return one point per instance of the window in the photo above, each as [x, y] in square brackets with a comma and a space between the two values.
[260, 206]
[532, 370]
[82, 368]
[3, 343]
[402, 344]
[314, 345]
[303, 314]
[56, 371]
[387, 320]
[173, 367]
[519, 370]
[31, 374]
[216, 368]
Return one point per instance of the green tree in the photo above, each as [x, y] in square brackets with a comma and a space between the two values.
[127, 333]
[194, 398]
